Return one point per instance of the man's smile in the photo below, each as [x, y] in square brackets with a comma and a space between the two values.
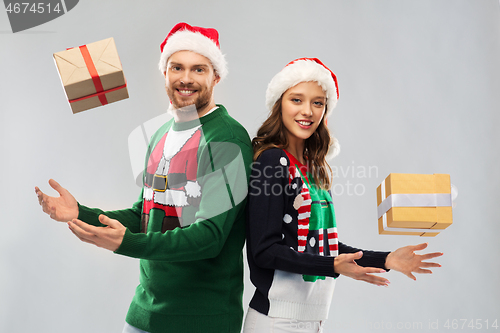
[186, 92]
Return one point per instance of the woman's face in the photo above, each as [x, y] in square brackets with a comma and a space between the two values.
[302, 108]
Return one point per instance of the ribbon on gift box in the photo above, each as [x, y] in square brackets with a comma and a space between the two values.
[386, 228]
[411, 200]
[100, 92]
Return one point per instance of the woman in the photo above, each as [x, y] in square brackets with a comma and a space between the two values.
[293, 251]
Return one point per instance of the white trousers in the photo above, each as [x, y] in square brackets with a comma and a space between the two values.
[256, 322]
[131, 329]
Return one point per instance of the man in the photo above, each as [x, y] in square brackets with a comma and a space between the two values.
[188, 225]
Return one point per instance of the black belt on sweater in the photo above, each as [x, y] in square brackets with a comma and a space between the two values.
[161, 183]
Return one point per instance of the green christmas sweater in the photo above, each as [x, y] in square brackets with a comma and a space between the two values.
[188, 227]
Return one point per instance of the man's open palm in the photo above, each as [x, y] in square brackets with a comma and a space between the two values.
[63, 208]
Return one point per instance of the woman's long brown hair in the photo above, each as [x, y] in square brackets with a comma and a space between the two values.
[272, 134]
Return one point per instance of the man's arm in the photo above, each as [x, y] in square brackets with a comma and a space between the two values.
[65, 208]
[130, 218]
[224, 186]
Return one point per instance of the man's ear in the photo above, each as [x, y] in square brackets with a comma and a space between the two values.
[217, 79]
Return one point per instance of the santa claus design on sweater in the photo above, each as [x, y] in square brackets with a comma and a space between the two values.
[170, 182]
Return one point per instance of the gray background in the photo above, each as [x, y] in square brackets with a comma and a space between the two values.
[419, 84]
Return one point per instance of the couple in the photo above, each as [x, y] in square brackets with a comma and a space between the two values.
[188, 226]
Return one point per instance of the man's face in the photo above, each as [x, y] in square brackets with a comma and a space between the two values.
[190, 79]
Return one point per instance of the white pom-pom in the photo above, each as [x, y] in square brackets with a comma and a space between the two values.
[334, 149]
[193, 189]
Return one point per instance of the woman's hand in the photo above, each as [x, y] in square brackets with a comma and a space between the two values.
[344, 264]
[405, 260]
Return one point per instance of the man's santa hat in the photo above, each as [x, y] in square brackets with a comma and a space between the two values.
[306, 70]
[204, 41]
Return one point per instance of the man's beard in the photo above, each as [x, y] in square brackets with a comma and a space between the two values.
[200, 102]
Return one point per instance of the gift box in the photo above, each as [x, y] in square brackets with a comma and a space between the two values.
[414, 204]
[92, 75]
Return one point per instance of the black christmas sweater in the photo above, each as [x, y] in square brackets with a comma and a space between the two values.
[292, 240]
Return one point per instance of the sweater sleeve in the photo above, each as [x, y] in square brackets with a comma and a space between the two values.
[224, 181]
[130, 217]
[267, 202]
[369, 259]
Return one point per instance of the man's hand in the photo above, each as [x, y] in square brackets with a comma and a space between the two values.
[63, 208]
[109, 237]
[344, 264]
[405, 260]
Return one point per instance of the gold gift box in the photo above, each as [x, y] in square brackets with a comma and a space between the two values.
[411, 204]
[92, 75]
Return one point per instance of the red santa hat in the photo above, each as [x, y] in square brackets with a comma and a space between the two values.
[306, 70]
[204, 41]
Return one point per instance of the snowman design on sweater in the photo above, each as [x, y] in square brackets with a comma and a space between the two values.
[170, 181]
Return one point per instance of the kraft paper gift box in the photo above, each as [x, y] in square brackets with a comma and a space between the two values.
[92, 75]
[413, 204]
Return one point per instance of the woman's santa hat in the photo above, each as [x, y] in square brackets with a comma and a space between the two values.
[306, 70]
[204, 41]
